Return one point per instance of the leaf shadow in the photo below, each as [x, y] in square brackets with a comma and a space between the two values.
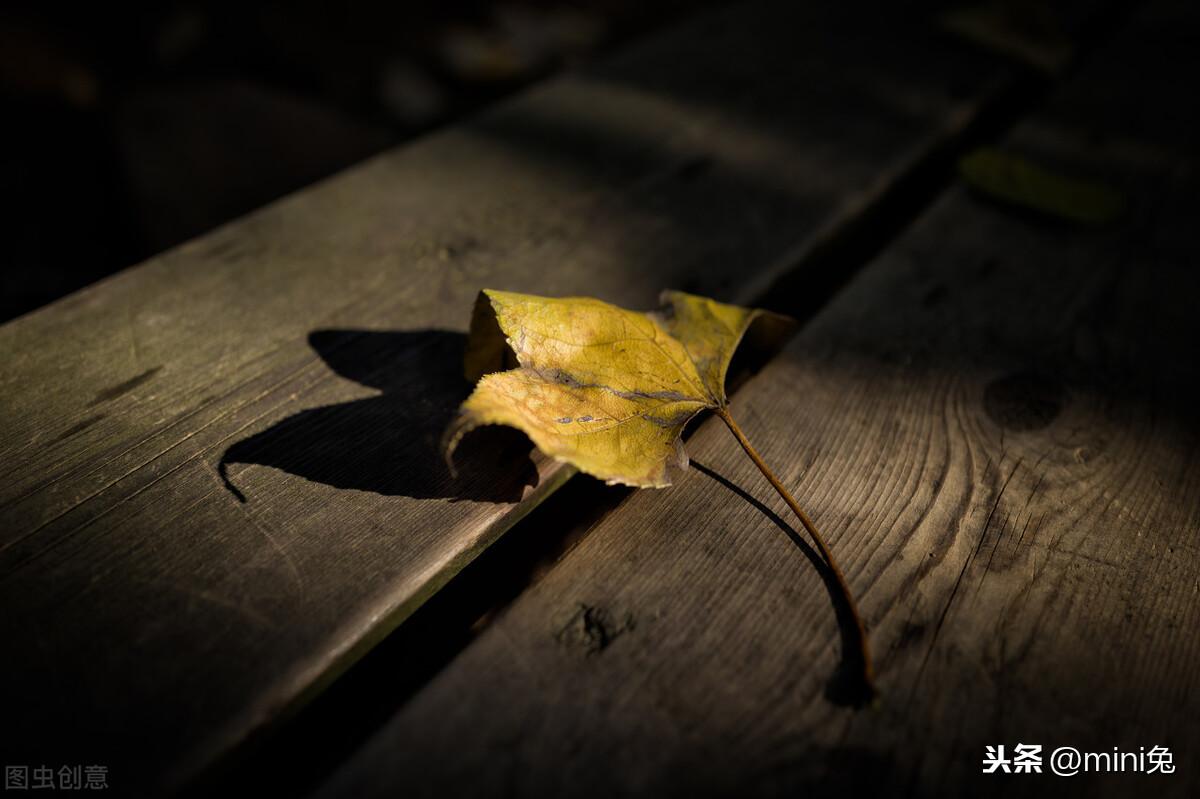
[846, 686]
[389, 444]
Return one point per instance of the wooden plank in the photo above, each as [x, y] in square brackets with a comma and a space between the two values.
[152, 620]
[995, 427]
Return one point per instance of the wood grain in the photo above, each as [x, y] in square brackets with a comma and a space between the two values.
[304, 359]
[995, 427]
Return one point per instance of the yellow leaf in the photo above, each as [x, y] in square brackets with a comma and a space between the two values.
[710, 331]
[1017, 181]
[609, 391]
[604, 389]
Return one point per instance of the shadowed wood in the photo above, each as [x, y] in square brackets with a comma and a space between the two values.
[220, 481]
[994, 426]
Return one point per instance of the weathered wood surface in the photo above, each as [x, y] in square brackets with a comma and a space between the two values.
[995, 426]
[151, 620]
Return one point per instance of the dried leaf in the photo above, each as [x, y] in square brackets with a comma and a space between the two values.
[609, 391]
[604, 389]
[1014, 180]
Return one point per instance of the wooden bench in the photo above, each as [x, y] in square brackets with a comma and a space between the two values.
[995, 425]
[222, 486]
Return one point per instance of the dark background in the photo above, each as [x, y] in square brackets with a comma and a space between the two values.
[131, 127]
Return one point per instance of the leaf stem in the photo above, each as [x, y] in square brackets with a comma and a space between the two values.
[868, 672]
